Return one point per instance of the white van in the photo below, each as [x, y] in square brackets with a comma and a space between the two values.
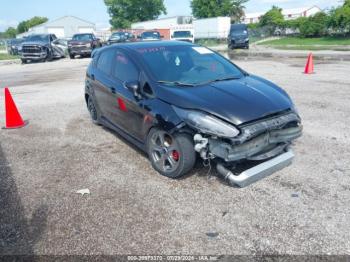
[182, 34]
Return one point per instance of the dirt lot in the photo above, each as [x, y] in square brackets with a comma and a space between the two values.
[303, 209]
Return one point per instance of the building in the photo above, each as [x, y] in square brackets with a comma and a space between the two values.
[64, 27]
[288, 14]
[163, 23]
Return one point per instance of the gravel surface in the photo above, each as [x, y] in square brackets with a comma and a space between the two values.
[303, 209]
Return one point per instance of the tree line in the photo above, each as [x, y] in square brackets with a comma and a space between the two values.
[125, 12]
[23, 26]
[336, 21]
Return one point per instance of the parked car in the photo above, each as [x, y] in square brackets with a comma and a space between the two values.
[14, 46]
[150, 36]
[83, 45]
[238, 36]
[175, 99]
[41, 47]
[117, 37]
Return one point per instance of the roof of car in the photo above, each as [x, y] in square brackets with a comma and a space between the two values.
[150, 44]
[143, 44]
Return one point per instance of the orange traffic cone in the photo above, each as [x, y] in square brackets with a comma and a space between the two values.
[13, 118]
[309, 68]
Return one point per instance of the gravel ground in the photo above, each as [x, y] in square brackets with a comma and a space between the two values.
[303, 209]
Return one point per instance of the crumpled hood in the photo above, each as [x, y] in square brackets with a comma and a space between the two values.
[41, 43]
[237, 101]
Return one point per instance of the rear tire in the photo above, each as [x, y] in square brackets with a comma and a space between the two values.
[172, 156]
[71, 56]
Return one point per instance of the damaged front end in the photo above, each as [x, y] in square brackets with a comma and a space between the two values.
[266, 142]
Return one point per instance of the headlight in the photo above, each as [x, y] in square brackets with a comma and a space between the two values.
[206, 123]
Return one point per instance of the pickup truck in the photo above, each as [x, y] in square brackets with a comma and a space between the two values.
[41, 47]
[83, 45]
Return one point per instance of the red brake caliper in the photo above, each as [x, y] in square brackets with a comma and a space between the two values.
[175, 155]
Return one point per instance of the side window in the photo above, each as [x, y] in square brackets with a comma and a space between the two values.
[124, 69]
[105, 61]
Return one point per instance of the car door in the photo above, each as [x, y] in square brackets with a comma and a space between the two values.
[103, 83]
[128, 110]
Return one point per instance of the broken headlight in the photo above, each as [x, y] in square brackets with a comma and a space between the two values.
[206, 123]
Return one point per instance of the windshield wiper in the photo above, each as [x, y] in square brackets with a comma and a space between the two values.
[174, 83]
[220, 80]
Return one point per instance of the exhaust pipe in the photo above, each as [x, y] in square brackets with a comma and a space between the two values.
[258, 172]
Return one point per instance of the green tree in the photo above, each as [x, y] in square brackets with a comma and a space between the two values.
[314, 26]
[34, 21]
[10, 32]
[214, 8]
[339, 19]
[272, 19]
[22, 27]
[125, 12]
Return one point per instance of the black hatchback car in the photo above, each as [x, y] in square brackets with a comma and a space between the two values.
[176, 100]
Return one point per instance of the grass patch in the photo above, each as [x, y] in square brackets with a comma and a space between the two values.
[312, 48]
[8, 57]
[298, 41]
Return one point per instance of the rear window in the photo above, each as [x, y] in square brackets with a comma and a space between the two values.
[153, 35]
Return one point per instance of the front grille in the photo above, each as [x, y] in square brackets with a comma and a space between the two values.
[31, 49]
[281, 122]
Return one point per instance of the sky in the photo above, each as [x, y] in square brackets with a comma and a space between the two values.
[14, 11]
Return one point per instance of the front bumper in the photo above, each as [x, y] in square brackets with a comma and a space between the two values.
[80, 50]
[34, 56]
[257, 172]
[238, 43]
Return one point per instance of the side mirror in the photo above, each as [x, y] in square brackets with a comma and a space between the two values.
[134, 87]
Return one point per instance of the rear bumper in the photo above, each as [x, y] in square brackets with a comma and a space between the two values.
[257, 172]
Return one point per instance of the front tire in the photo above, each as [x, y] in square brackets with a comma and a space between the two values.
[93, 111]
[49, 56]
[172, 156]
[71, 56]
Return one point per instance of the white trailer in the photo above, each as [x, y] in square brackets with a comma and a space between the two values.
[165, 23]
[212, 28]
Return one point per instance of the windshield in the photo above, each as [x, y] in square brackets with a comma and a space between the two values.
[16, 41]
[178, 34]
[239, 29]
[42, 38]
[187, 65]
[118, 36]
[86, 37]
[153, 35]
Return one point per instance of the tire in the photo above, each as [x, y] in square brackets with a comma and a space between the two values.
[173, 156]
[93, 111]
[71, 56]
[24, 61]
[49, 57]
